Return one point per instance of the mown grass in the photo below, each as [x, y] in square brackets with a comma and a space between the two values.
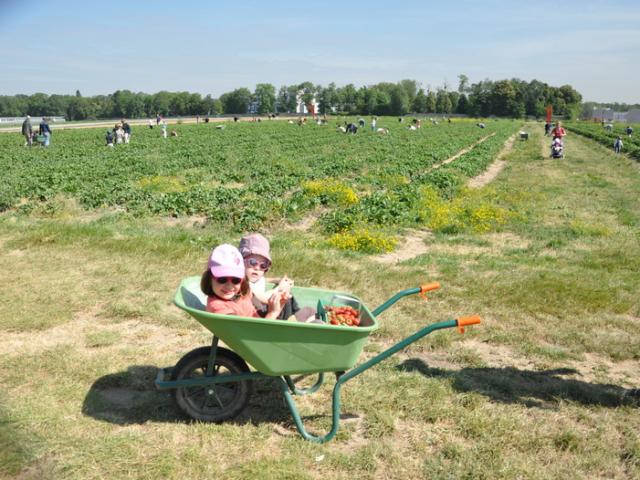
[542, 389]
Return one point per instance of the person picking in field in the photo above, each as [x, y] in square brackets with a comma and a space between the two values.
[27, 131]
[255, 250]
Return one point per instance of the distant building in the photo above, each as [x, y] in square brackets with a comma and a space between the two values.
[602, 114]
[633, 116]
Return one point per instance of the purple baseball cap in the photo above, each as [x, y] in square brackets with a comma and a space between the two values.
[226, 261]
[255, 244]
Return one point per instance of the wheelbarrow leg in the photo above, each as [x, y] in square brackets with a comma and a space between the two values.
[298, 421]
[212, 356]
[304, 391]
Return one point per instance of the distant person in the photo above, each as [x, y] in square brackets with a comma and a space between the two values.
[197, 119]
[158, 119]
[558, 131]
[46, 131]
[126, 128]
[351, 128]
[27, 131]
[547, 128]
[119, 133]
[373, 124]
[617, 145]
[629, 130]
[164, 129]
[109, 138]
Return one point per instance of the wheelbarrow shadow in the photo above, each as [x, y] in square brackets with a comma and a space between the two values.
[541, 389]
[130, 397]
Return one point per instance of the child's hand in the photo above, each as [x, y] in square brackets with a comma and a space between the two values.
[286, 284]
[276, 302]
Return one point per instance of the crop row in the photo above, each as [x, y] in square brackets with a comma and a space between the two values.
[607, 138]
[243, 175]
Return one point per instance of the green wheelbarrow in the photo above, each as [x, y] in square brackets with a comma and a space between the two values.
[214, 383]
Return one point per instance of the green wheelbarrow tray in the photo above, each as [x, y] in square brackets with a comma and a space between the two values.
[278, 347]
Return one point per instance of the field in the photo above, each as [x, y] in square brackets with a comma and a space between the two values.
[598, 133]
[94, 242]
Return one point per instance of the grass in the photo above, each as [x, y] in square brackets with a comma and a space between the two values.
[542, 389]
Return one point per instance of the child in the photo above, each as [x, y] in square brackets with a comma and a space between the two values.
[254, 249]
[617, 146]
[227, 288]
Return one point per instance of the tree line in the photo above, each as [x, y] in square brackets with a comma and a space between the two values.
[505, 98]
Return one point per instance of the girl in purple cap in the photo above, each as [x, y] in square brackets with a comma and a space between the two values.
[227, 288]
[255, 250]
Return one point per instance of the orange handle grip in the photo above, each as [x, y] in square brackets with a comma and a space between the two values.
[472, 320]
[427, 287]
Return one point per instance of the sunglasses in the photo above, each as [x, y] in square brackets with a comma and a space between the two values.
[252, 262]
[223, 280]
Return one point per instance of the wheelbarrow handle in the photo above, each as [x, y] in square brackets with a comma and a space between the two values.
[427, 287]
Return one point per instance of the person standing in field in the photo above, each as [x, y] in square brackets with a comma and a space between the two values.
[127, 131]
[617, 145]
[558, 131]
[629, 130]
[373, 124]
[46, 131]
[27, 131]
[164, 129]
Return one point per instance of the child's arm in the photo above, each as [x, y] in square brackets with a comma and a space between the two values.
[276, 303]
[284, 284]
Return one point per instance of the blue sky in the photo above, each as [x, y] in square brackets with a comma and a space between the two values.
[216, 46]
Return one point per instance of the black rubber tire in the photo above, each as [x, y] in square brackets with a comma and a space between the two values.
[212, 403]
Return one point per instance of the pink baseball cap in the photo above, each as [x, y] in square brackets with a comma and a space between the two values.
[226, 261]
[255, 244]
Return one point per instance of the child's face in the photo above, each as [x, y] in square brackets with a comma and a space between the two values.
[226, 288]
[255, 266]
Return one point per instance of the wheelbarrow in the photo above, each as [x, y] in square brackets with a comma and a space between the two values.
[214, 383]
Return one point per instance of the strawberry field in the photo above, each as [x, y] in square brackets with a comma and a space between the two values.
[597, 132]
[247, 175]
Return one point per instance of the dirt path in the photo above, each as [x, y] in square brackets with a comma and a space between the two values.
[412, 246]
[495, 168]
[462, 152]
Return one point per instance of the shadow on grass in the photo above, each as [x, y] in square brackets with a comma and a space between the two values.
[530, 388]
[130, 397]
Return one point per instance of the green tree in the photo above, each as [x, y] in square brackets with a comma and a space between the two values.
[265, 95]
[443, 103]
[463, 83]
[328, 98]
[411, 88]
[463, 104]
[236, 101]
[431, 102]
[420, 102]
[399, 101]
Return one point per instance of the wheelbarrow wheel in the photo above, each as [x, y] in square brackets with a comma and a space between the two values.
[212, 403]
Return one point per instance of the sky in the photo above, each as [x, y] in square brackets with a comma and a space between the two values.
[212, 47]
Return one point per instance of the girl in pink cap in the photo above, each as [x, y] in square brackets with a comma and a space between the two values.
[227, 288]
